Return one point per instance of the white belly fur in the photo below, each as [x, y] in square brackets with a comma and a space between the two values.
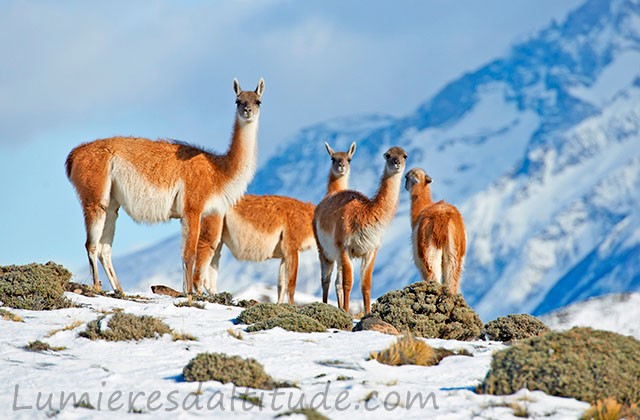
[248, 244]
[143, 201]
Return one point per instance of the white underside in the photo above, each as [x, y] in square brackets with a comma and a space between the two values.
[142, 200]
[357, 246]
[248, 244]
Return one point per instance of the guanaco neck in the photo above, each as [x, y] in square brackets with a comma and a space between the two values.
[420, 199]
[337, 183]
[240, 159]
[384, 204]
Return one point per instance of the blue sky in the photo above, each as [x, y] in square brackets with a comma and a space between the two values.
[75, 71]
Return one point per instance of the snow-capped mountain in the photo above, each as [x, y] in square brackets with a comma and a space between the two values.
[540, 150]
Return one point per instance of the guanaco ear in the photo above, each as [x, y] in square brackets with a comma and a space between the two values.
[329, 149]
[352, 149]
[236, 87]
[260, 88]
[427, 179]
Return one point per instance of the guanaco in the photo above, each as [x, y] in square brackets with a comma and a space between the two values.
[350, 225]
[154, 181]
[258, 228]
[438, 235]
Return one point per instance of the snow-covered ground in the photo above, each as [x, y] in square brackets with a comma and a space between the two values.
[330, 369]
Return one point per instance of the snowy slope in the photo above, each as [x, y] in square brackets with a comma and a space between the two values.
[540, 149]
[148, 373]
[616, 312]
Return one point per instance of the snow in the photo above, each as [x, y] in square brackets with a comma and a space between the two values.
[148, 373]
[612, 80]
[616, 312]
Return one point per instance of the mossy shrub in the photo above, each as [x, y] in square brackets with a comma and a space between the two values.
[224, 368]
[223, 298]
[515, 327]
[124, 327]
[290, 321]
[426, 309]
[264, 311]
[581, 363]
[328, 315]
[34, 286]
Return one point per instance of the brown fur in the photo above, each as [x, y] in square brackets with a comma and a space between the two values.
[259, 228]
[437, 228]
[349, 225]
[157, 180]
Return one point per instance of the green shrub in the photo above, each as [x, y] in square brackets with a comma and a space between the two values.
[223, 368]
[264, 311]
[328, 315]
[224, 298]
[426, 309]
[290, 321]
[581, 363]
[514, 327]
[124, 327]
[34, 286]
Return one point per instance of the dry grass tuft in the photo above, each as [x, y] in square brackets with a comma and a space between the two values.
[237, 334]
[40, 346]
[73, 325]
[407, 350]
[10, 316]
[182, 336]
[607, 409]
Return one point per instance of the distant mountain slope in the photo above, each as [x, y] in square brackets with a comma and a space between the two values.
[615, 312]
[540, 150]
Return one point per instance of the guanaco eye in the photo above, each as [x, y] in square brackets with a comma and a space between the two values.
[258, 103]
[349, 160]
[387, 156]
[237, 101]
[333, 160]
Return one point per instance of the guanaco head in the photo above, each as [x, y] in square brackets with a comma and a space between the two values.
[396, 159]
[416, 176]
[340, 161]
[248, 102]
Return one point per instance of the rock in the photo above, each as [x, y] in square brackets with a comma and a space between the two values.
[165, 290]
[373, 323]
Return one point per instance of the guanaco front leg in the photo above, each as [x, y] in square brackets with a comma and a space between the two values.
[208, 254]
[366, 271]
[190, 233]
[347, 278]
